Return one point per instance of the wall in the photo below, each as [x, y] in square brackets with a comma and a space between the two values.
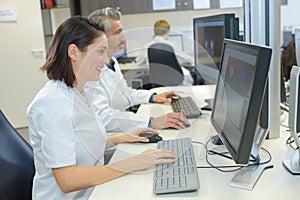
[290, 14]
[20, 77]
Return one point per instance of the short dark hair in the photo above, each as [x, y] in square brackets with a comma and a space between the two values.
[101, 17]
[76, 30]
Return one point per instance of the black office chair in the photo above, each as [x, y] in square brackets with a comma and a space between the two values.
[16, 163]
[164, 69]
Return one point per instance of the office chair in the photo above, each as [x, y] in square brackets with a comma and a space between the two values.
[164, 69]
[16, 163]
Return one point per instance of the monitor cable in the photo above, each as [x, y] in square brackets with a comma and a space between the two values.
[291, 141]
[210, 152]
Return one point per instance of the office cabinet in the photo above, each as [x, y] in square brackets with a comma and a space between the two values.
[84, 7]
[125, 6]
[87, 6]
[134, 6]
[52, 18]
[184, 4]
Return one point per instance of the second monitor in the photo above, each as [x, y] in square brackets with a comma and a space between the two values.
[209, 33]
[238, 99]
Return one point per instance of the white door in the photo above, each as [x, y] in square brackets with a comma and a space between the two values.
[20, 76]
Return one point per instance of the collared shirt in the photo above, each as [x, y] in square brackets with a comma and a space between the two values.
[63, 131]
[111, 96]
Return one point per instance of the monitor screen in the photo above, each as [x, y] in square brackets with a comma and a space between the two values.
[239, 95]
[177, 40]
[209, 33]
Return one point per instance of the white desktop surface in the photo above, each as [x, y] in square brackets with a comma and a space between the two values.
[275, 183]
[132, 66]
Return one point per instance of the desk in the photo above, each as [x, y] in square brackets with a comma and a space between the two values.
[275, 183]
[136, 76]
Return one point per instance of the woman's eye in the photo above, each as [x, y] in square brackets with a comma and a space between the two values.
[101, 52]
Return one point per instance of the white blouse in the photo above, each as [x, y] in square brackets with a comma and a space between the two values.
[64, 130]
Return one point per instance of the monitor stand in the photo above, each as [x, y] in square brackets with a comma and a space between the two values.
[247, 177]
[293, 164]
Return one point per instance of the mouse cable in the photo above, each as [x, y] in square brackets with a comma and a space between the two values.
[193, 121]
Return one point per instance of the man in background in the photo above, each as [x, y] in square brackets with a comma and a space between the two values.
[113, 95]
[161, 34]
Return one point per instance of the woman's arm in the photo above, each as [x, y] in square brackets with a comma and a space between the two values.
[73, 178]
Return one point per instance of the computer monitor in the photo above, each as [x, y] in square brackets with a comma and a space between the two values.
[237, 104]
[293, 163]
[209, 33]
[177, 40]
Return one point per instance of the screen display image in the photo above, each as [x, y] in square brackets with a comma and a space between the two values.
[210, 39]
[209, 33]
[177, 40]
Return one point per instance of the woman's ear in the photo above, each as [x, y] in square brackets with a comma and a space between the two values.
[73, 52]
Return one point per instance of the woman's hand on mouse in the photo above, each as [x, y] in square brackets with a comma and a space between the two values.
[131, 136]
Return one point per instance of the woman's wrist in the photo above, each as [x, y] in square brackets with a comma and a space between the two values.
[116, 139]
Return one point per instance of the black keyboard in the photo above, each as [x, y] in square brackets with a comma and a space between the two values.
[186, 106]
[181, 175]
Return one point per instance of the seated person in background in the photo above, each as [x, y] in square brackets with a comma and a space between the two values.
[112, 95]
[288, 59]
[68, 142]
[161, 34]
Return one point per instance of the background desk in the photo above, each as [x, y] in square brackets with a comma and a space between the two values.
[138, 75]
[275, 183]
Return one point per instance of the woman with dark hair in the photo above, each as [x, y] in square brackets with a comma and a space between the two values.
[68, 139]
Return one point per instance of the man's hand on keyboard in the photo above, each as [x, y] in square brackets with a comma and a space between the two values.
[170, 120]
[165, 97]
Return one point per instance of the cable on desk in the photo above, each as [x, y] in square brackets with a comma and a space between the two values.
[255, 161]
[291, 141]
[195, 119]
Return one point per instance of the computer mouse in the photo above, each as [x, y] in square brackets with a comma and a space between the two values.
[151, 136]
[186, 124]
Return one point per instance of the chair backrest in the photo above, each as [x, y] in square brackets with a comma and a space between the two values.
[164, 69]
[16, 163]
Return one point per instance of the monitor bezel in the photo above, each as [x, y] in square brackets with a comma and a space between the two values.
[242, 154]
